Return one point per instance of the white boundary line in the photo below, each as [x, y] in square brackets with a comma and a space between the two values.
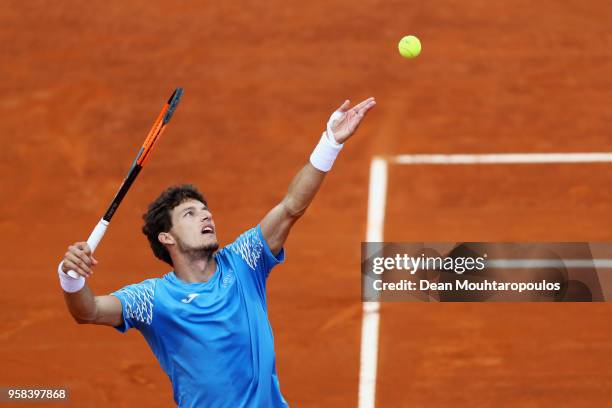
[500, 158]
[377, 196]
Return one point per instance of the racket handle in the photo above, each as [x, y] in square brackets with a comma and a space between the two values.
[94, 239]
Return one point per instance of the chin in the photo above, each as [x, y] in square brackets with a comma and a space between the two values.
[210, 246]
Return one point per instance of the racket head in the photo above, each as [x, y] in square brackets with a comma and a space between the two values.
[143, 153]
[159, 126]
[173, 102]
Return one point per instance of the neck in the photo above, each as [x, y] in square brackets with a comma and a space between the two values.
[194, 267]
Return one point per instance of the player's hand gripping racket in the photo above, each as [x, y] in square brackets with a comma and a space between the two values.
[137, 165]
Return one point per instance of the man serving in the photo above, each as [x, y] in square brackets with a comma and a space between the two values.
[206, 321]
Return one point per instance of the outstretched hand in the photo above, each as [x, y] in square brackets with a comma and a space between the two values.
[349, 119]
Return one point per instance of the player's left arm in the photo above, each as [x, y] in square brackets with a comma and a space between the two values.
[343, 123]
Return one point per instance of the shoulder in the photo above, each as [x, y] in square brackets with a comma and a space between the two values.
[249, 246]
[142, 289]
[138, 296]
[137, 302]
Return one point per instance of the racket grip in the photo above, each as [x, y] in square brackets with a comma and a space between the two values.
[94, 239]
[96, 235]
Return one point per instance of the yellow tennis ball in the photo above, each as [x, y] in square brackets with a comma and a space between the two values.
[409, 46]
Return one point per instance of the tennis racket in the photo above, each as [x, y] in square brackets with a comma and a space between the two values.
[139, 162]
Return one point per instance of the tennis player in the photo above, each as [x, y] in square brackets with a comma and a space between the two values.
[207, 321]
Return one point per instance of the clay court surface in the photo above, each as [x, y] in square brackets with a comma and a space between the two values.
[81, 85]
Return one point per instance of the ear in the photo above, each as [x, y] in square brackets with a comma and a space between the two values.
[166, 238]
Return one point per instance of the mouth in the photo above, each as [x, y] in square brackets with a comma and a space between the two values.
[207, 230]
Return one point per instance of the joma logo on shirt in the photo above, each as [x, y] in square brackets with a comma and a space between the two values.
[227, 280]
[190, 297]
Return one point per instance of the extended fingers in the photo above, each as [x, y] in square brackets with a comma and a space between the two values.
[344, 107]
[363, 110]
[360, 114]
[365, 104]
[360, 108]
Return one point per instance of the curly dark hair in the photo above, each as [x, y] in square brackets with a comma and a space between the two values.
[157, 218]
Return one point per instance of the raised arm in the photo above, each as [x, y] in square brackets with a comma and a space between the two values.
[276, 225]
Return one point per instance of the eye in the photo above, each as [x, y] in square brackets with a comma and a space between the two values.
[188, 213]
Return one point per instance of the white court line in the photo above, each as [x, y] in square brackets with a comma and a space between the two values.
[377, 197]
[501, 158]
[375, 227]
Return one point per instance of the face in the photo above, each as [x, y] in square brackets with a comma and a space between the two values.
[193, 228]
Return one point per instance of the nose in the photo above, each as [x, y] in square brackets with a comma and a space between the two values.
[205, 215]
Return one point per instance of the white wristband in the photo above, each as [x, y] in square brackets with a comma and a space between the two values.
[324, 155]
[68, 283]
